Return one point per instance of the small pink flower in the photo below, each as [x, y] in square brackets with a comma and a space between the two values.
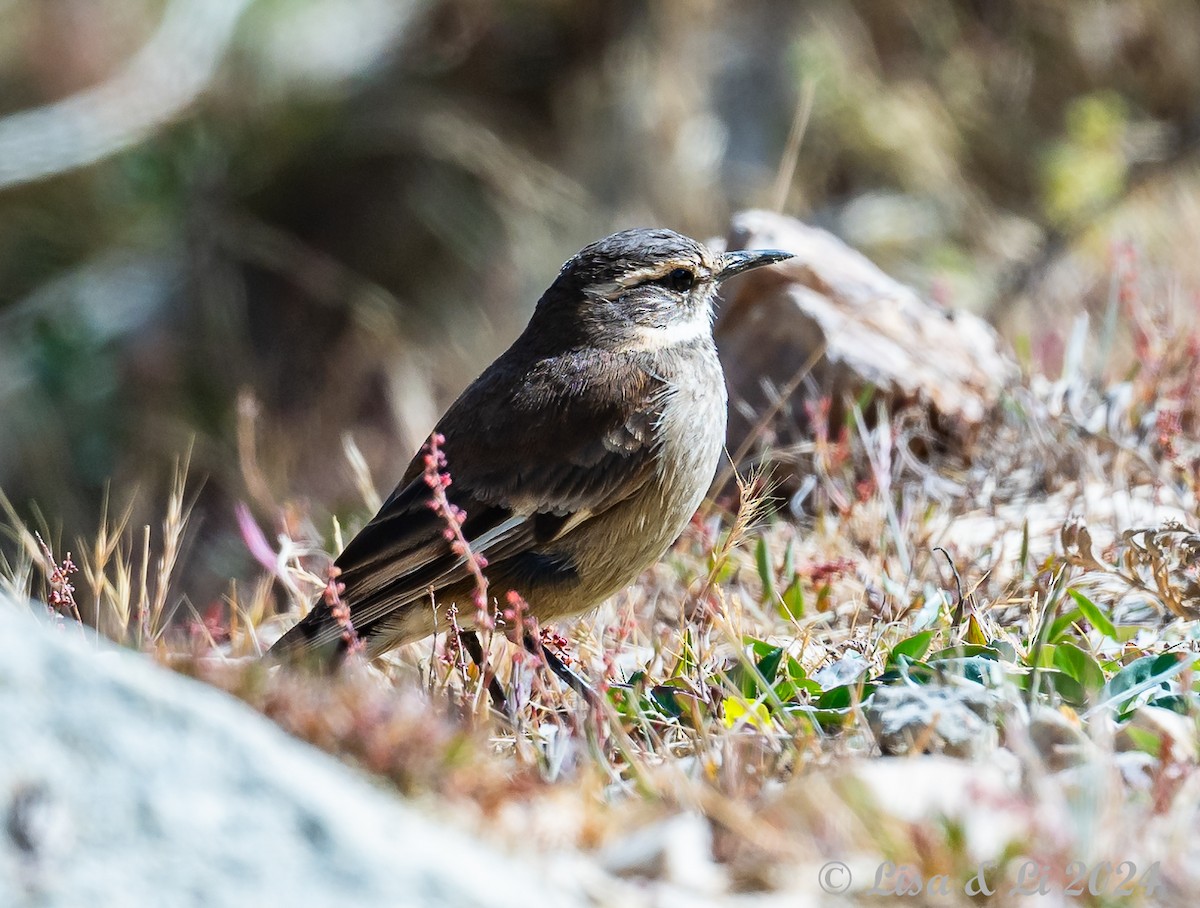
[256, 541]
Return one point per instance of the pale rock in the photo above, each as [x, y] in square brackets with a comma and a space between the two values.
[955, 719]
[125, 784]
[1168, 726]
[862, 328]
[677, 850]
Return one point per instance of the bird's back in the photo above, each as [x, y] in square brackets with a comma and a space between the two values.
[567, 494]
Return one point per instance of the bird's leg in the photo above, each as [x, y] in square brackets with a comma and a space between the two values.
[565, 673]
[470, 642]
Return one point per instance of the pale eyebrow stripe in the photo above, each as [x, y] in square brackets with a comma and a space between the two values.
[644, 275]
[657, 272]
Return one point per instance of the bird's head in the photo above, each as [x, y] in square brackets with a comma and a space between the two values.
[642, 288]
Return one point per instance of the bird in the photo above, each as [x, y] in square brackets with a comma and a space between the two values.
[574, 460]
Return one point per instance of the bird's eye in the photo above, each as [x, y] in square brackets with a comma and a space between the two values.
[681, 280]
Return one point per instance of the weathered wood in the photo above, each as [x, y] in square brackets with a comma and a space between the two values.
[861, 328]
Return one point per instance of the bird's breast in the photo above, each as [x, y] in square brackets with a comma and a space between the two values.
[691, 431]
[689, 436]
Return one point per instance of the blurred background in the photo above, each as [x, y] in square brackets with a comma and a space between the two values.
[249, 227]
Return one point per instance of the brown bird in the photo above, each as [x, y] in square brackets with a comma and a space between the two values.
[578, 456]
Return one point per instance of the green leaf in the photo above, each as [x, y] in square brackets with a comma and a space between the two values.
[1147, 674]
[1045, 656]
[687, 656]
[768, 665]
[766, 570]
[1000, 651]
[861, 403]
[789, 561]
[1062, 624]
[821, 718]
[665, 702]
[795, 681]
[1127, 632]
[1173, 702]
[757, 645]
[791, 602]
[742, 678]
[789, 690]
[1062, 684]
[836, 698]
[833, 708]
[975, 632]
[622, 700]
[842, 696]
[1144, 740]
[1094, 615]
[1005, 651]
[1080, 665]
[720, 567]
[1141, 674]
[677, 700]
[912, 648]
[904, 670]
[985, 670]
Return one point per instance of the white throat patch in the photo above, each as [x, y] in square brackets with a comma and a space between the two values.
[646, 338]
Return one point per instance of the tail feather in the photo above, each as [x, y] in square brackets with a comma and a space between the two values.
[302, 644]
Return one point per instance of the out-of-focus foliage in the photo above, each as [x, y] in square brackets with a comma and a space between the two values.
[341, 209]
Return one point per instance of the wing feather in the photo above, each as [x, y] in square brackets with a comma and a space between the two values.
[533, 456]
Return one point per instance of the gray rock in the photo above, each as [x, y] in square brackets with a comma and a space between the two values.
[846, 670]
[124, 784]
[957, 720]
[1060, 742]
[678, 850]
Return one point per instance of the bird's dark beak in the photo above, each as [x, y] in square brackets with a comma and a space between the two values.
[736, 262]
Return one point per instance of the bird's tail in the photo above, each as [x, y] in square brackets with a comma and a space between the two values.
[304, 645]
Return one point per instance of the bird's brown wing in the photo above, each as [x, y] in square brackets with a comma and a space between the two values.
[530, 456]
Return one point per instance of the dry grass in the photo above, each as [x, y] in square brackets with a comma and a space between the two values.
[741, 672]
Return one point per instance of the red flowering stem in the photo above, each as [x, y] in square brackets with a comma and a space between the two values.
[438, 480]
[341, 611]
[62, 591]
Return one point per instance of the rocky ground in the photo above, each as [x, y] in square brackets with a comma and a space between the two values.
[936, 633]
